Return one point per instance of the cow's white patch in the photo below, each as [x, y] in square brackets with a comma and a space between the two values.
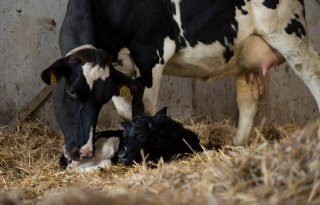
[125, 63]
[94, 72]
[200, 61]
[88, 147]
[105, 151]
[123, 106]
[177, 18]
[169, 48]
[246, 25]
[86, 46]
[150, 95]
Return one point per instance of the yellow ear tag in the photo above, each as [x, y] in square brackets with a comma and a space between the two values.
[124, 91]
[53, 79]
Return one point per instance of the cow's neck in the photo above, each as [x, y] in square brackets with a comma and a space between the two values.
[80, 14]
[117, 21]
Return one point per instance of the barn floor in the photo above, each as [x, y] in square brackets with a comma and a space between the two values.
[282, 166]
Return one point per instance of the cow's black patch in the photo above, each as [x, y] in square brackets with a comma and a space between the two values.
[119, 62]
[173, 8]
[295, 26]
[180, 41]
[244, 12]
[271, 4]
[209, 21]
[239, 5]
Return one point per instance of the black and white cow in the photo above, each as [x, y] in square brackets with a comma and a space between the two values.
[204, 39]
[158, 137]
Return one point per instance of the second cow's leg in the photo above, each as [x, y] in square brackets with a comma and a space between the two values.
[249, 94]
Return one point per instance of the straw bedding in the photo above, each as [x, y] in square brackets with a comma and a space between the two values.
[281, 166]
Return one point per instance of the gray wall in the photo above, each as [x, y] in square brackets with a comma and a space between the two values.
[29, 43]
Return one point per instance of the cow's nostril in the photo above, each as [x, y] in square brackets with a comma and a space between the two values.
[75, 155]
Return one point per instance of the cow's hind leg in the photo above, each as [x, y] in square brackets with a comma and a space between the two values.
[301, 56]
[249, 92]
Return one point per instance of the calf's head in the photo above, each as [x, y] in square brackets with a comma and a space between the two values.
[85, 80]
[140, 134]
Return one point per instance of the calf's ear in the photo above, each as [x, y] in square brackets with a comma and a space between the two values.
[52, 74]
[162, 112]
[160, 115]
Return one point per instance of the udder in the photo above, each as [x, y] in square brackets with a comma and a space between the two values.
[257, 54]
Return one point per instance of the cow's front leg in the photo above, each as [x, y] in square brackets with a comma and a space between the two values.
[249, 91]
[151, 59]
[128, 106]
[150, 95]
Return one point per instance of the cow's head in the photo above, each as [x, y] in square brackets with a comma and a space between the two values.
[140, 134]
[85, 80]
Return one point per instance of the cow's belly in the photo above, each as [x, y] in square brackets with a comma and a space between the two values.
[202, 61]
[207, 61]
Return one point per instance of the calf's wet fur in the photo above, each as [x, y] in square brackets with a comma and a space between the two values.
[155, 137]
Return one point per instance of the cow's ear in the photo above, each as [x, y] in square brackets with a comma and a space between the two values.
[52, 74]
[125, 86]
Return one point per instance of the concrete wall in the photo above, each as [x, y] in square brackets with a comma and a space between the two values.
[29, 43]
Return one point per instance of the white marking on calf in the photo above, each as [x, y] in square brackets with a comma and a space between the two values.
[86, 150]
[93, 73]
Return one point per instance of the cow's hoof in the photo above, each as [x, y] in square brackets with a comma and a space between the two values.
[239, 142]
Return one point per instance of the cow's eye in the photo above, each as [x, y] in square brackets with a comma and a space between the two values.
[72, 94]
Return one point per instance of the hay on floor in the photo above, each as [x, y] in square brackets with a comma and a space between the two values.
[282, 166]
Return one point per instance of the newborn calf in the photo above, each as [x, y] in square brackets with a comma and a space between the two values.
[157, 136]
[106, 146]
